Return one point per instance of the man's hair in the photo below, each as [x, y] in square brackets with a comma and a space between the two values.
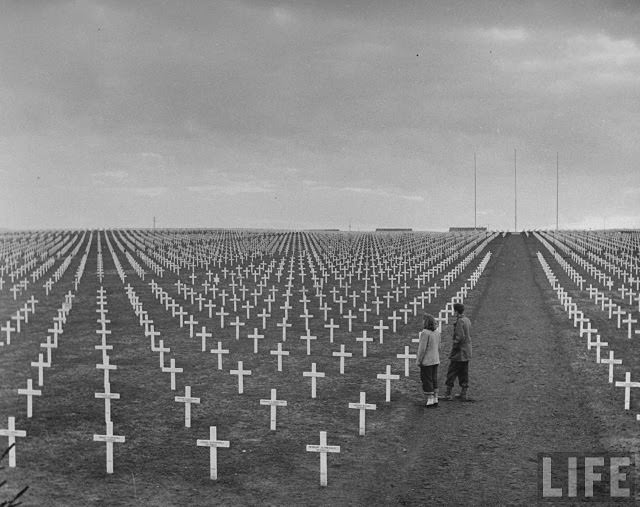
[458, 307]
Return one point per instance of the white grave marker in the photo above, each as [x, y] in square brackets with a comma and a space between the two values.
[11, 432]
[109, 438]
[188, 400]
[273, 403]
[213, 443]
[388, 377]
[363, 406]
[240, 372]
[30, 392]
[323, 449]
[314, 375]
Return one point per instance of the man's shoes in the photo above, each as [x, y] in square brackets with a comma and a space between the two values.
[463, 395]
[448, 396]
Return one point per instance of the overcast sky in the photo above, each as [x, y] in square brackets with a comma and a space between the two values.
[313, 114]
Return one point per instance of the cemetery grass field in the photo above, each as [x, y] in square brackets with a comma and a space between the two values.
[536, 388]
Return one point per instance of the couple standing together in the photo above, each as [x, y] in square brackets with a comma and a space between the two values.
[428, 357]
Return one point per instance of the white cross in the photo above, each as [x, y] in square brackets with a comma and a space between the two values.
[7, 329]
[213, 443]
[11, 432]
[30, 392]
[364, 309]
[210, 306]
[162, 349]
[381, 327]
[173, 370]
[181, 313]
[203, 335]
[255, 337]
[284, 325]
[406, 356]
[342, 354]
[627, 384]
[237, 324]
[273, 403]
[248, 307]
[187, 399]
[109, 438]
[240, 373]
[610, 305]
[191, 323]
[364, 339]
[279, 352]
[219, 350]
[331, 326]
[619, 312]
[324, 308]
[55, 331]
[314, 375]
[350, 318]
[629, 320]
[388, 377]
[18, 317]
[323, 449]
[107, 396]
[597, 344]
[40, 364]
[103, 333]
[306, 316]
[49, 345]
[264, 316]
[222, 314]
[308, 337]
[611, 362]
[405, 311]
[106, 367]
[363, 406]
[394, 319]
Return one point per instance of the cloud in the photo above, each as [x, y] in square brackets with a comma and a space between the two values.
[234, 188]
[498, 34]
[389, 194]
[149, 191]
[282, 16]
[602, 49]
[111, 176]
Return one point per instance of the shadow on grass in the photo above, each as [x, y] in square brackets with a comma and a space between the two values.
[13, 502]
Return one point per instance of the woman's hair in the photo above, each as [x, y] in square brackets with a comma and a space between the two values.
[429, 322]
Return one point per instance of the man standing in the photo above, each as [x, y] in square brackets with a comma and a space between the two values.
[460, 354]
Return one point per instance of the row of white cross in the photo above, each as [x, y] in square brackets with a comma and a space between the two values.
[601, 277]
[41, 364]
[613, 254]
[313, 373]
[585, 328]
[362, 406]
[46, 252]
[109, 438]
[598, 296]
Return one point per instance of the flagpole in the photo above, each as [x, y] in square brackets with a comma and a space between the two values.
[515, 192]
[557, 188]
[475, 192]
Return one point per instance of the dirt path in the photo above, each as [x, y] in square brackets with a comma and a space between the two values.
[527, 400]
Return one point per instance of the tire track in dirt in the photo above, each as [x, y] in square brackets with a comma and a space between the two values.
[527, 400]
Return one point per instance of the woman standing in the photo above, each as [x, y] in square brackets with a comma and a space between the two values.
[428, 359]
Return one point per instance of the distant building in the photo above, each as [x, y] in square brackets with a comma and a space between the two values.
[466, 229]
[393, 229]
